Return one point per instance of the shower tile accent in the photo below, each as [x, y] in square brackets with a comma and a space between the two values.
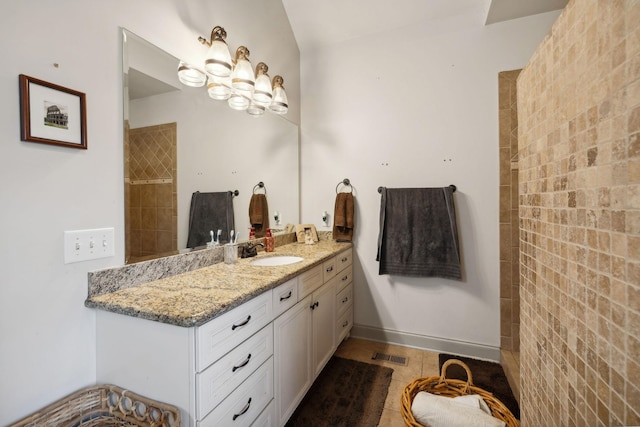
[151, 191]
[579, 173]
[509, 224]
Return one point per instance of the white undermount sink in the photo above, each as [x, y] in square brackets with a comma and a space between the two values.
[275, 261]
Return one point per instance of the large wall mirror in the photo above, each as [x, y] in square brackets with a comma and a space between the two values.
[178, 141]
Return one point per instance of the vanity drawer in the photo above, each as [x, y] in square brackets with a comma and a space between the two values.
[309, 281]
[217, 337]
[246, 402]
[285, 296]
[267, 418]
[344, 259]
[344, 325]
[329, 269]
[344, 300]
[345, 277]
[221, 378]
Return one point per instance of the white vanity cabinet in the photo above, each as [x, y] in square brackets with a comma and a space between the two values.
[250, 366]
[213, 373]
[306, 335]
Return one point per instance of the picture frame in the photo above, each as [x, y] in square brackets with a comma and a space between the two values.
[52, 114]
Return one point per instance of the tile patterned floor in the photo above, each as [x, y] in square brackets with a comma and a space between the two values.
[420, 363]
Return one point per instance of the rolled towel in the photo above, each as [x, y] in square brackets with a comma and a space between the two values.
[439, 411]
[343, 217]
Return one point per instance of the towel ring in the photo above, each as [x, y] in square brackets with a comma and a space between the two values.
[346, 183]
[260, 185]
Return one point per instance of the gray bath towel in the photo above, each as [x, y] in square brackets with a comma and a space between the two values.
[210, 211]
[418, 233]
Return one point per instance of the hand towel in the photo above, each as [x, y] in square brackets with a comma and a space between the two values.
[440, 411]
[209, 212]
[418, 233]
[259, 214]
[343, 214]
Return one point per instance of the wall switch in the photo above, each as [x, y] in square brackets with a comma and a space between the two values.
[83, 245]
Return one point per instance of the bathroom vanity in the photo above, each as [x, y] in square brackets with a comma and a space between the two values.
[230, 344]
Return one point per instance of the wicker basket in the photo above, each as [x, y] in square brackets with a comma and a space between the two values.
[442, 386]
[104, 405]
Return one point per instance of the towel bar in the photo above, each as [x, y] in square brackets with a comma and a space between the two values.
[453, 187]
[234, 193]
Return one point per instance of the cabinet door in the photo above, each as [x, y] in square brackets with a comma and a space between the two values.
[324, 320]
[292, 352]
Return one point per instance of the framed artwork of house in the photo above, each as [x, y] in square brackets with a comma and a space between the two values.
[52, 114]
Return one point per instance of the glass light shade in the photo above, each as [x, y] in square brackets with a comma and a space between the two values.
[255, 109]
[242, 77]
[218, 59]
[219, 88]
[279, 104]
[262, 94]
[190, 76]
[238, 102]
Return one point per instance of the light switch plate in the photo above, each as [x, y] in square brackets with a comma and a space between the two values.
[84, 245]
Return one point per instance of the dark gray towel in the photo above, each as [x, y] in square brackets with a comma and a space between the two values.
[418, 233]
[210, 211]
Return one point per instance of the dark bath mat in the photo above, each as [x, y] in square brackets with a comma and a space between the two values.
[488, 376]
[347, 393]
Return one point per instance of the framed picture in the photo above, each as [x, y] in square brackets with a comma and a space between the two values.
[52, 114]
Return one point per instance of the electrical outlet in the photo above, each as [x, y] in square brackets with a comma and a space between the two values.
[83, 245]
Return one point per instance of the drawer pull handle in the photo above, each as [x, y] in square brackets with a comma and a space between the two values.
[287, 297]
[344, 259]
[239, 325]
[329, 269]
[314, 305]
[346, 323]
[345, 277]
[243, 364]
[243, 411]
[345, 299]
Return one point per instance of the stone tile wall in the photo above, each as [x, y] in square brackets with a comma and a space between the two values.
[579, 173]
[509, 228]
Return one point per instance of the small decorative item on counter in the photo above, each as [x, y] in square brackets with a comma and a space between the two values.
[230, 253]
[269, 243]
[309, 237]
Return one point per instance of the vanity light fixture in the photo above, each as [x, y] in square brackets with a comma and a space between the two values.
[234, 80]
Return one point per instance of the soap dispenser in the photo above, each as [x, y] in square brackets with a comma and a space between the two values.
[269, 243]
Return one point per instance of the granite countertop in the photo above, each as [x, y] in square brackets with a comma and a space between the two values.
[194, 298]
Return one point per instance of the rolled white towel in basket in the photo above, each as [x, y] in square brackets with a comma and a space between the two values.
[462, 411]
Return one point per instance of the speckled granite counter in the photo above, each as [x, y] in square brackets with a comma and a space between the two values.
[194, 298]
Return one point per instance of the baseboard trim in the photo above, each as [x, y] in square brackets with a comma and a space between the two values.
[425, 342]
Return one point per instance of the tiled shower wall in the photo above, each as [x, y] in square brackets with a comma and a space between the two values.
[509, 227]
[151, 191]
[579, 163]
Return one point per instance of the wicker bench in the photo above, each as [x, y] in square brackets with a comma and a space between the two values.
[104, 405]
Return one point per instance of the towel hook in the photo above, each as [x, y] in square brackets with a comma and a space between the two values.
[260, 185]
[234, 193]
[346, 183]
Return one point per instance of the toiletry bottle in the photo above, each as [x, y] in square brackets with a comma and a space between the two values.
[252, 233]
[269, 244]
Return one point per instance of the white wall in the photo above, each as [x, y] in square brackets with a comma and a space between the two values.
[47, 337]
[416, 107]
